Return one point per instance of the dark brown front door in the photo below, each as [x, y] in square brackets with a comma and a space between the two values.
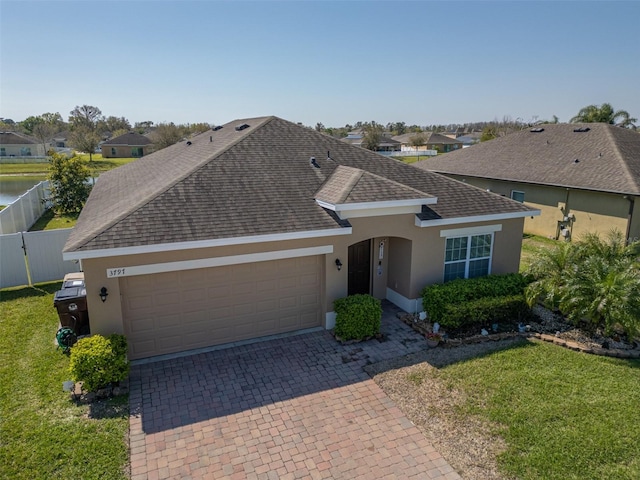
[359, 267]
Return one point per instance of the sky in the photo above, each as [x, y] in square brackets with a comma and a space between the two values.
[333, 62]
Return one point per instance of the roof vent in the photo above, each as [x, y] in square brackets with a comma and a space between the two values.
[576, 160]
[188, 143]
[581, 129]
[313, 162]
[215, 129]
[211, 138]
[536, 130]
[242, 127]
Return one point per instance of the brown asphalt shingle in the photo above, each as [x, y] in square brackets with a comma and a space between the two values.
[256, 181]
[608, 158]
[130, 139]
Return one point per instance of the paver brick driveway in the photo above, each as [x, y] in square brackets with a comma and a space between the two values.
[294, 407]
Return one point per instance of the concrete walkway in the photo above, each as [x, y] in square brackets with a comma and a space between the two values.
[293, 407]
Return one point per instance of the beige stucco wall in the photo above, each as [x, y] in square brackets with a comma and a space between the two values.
[593, 211]
[413, 257]
[121, 151]
[37, 150]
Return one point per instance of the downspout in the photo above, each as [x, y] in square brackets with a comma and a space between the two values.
[629, 217]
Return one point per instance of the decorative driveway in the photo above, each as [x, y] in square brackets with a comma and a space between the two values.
[293, 407]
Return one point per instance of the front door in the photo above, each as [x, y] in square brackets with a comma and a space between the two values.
[360, 267]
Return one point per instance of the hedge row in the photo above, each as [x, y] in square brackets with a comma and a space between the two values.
[482, 300]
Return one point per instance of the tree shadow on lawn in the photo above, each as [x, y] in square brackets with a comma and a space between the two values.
[115, 407]
[40, 290]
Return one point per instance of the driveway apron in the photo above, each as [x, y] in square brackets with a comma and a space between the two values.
[293, 407]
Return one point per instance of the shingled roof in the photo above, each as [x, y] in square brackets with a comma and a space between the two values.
[130, 139]
[253, 177]
[14, 138]
[593, 156]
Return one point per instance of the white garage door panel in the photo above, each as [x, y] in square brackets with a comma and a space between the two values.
[174, 311]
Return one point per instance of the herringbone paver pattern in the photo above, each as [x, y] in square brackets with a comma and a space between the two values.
[296, 407]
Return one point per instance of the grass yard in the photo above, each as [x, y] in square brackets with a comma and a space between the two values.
[531, 244]
[43, 433]
[50, 221]
[563, 414]
[97, 165]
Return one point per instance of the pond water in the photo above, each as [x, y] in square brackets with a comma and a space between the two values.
[11, 187]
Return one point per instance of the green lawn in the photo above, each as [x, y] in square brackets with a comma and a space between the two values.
[563, 414]
[43, 433]
[531, 244]
[97, 166]
[50, 221]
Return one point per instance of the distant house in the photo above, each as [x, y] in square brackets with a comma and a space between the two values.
[387, 144]
[61, 140]
[432, 141]
[13, 144]
[128, 145]
[583, 177]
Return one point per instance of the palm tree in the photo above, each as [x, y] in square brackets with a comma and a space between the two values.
[605, 293]
[549, 271]
[595, 279]
[604, 114]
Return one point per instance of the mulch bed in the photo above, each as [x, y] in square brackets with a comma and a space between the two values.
[545, 325]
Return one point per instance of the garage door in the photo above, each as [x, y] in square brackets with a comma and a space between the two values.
[176, 311]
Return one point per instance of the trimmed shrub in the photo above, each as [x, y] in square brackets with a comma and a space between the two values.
[97, 361]
[485, 311]
[357, 317]
[436, 298]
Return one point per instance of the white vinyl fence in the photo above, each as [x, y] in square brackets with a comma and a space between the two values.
[34, 257]
[23, 213]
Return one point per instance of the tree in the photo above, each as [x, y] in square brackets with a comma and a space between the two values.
[111, 124]
[372, 136]
[397, 128]
[165, 135]
[604, 114]
[69, 183]
[417, 140]
[143, 127]
[594, 279]
[85, 139]
[320, 127]
[85, 116]
[46, 126]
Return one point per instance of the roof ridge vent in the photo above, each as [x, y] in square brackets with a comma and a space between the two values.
[242, 127]
[537, 130]
[581, 129]
[215, 129]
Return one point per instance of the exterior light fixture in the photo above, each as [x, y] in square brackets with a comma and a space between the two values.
[103, 294]
[338, 264]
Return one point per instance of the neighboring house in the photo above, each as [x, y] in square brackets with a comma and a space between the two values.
[256, 228]
[128, 145]
[387, 144]
[433, 141]
[61, 140]
[13, 144]
[583, 177]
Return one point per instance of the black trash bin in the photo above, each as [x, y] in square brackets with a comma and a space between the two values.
[71, 304]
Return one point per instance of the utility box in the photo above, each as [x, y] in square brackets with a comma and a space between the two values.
[71, 304]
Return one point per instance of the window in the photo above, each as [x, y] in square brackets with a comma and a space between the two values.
[25, 151]
[3, 152]
[468, 256]
[136, 152]
[517, 195]
[113, 151]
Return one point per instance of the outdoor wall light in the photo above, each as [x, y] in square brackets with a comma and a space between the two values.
[103, 294]
[338, 264]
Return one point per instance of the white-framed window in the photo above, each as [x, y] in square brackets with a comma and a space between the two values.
[468, 256]
[517, 195]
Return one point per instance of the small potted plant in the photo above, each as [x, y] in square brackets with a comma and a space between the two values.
[433, 339]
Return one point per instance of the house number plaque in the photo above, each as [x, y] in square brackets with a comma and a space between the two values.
[115, 272]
